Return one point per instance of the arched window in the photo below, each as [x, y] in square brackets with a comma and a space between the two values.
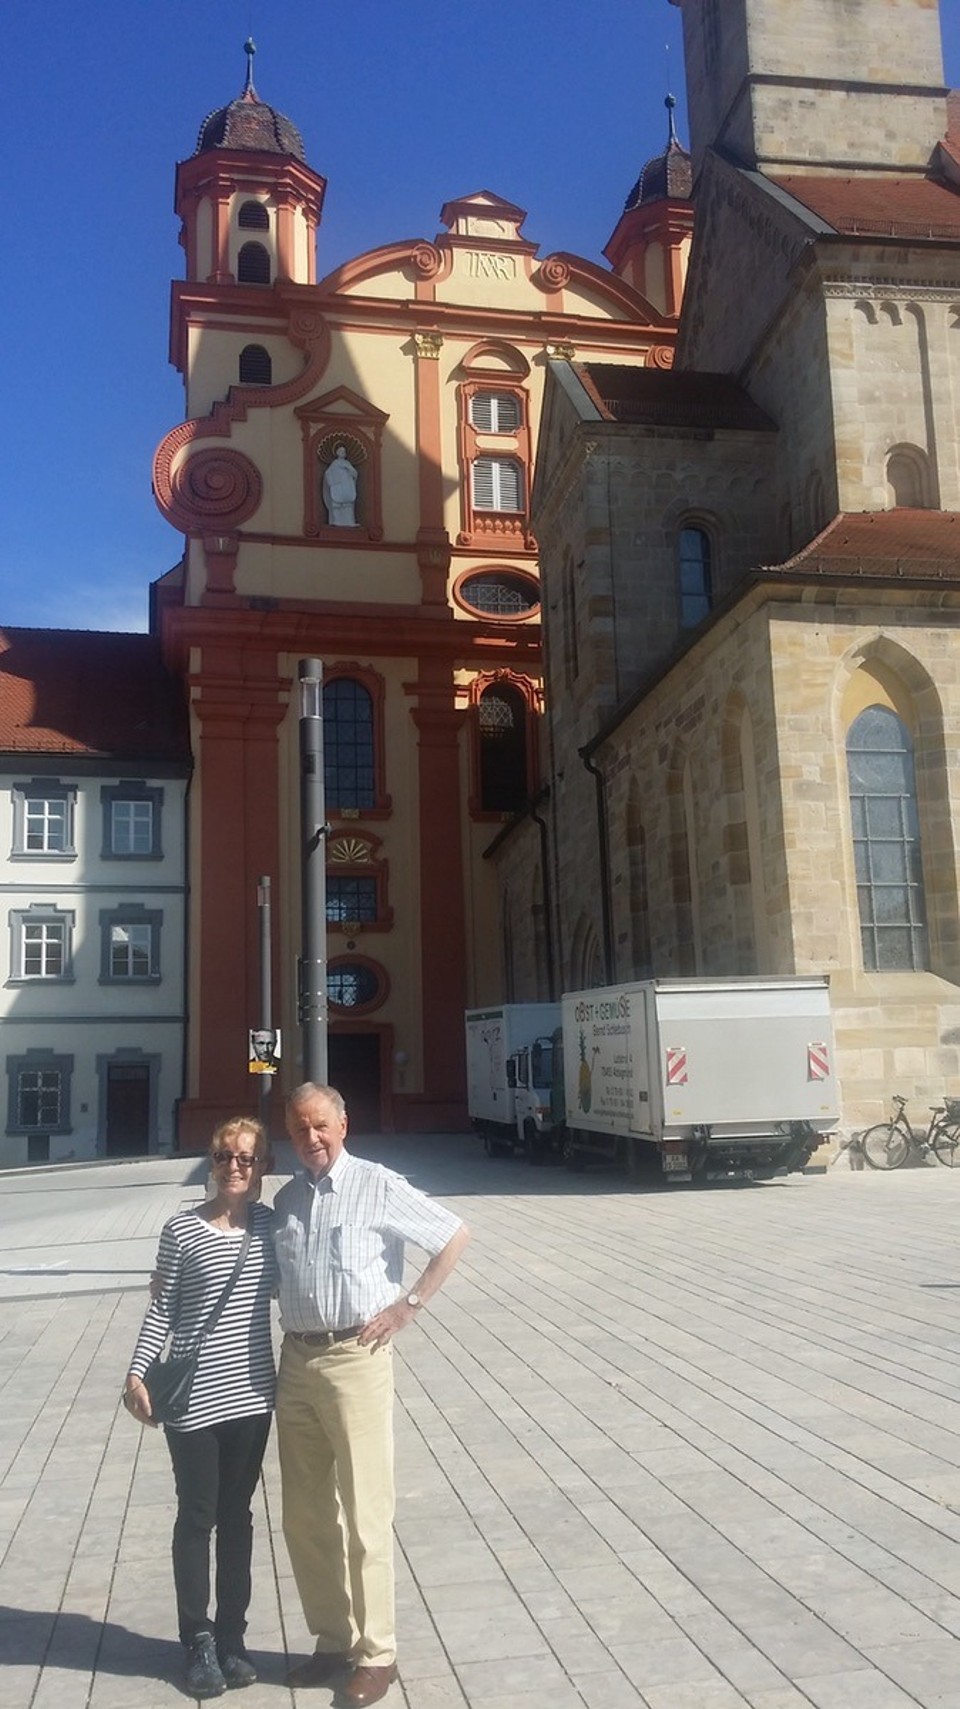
[502, 723]
[253, 265]
[254, 217]
[497, 484]
[348, 744]
[696, 594]
[256, 368]
[886, 842]
[495, 412]
[907, 479]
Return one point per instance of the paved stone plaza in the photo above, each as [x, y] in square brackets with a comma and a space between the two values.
[689, 1450]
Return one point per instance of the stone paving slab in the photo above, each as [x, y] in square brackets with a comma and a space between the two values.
[657, 1449]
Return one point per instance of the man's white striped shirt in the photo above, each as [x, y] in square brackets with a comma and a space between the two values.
[340, 1242]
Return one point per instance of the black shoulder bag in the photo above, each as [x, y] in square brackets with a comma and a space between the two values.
[169, 1381]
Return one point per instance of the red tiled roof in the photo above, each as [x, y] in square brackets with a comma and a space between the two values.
[69, 691]
[879, 207]
[916, 544]
[670, 399]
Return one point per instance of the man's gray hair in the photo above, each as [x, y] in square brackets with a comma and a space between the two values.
[310, 1089]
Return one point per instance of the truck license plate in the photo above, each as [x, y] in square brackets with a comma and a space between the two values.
[675, 1162]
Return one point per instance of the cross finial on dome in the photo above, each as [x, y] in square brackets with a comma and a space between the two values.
[249, 48]
[670, 103]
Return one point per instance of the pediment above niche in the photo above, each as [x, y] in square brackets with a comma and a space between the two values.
[485, 217]
[344, 404]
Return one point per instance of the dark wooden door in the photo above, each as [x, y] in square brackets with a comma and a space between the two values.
[128, 1109]
[354, 1068]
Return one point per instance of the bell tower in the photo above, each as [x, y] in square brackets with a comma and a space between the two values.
[815, 85]
[249, 204]
[650, 245]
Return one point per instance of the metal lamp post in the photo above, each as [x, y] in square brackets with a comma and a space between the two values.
[312, 1007]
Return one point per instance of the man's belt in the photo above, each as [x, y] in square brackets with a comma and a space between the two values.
[324, 1337]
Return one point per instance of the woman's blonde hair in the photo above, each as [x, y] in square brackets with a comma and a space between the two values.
[242, 1124]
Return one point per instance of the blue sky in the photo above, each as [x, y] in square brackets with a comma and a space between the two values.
[402, 104]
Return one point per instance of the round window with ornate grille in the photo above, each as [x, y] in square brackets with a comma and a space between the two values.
[504, 595]
[355, 984]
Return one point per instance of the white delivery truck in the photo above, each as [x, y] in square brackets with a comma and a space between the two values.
[510, 1077]
[724, 1077]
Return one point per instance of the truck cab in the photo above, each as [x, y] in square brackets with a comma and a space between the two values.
[530, 1074]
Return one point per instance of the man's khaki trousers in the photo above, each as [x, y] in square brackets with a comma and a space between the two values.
[335, 1431]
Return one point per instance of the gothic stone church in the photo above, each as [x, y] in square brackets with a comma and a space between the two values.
[751, 564]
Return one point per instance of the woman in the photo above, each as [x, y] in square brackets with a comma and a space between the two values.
[217, 1447]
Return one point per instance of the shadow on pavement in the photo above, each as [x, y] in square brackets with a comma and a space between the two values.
[76, 1642]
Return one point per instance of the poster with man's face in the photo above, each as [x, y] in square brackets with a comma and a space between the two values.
[263, 1051]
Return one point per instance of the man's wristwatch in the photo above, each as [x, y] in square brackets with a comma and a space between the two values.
[413, 1301]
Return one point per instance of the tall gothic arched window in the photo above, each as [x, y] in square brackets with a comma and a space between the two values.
[502, 726]
[886, 842]
[349, 762]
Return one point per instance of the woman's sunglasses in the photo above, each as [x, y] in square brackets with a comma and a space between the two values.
[223, 1160]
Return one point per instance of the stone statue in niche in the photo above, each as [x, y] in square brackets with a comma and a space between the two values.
[340, 490]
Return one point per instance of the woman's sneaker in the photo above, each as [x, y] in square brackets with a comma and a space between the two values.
[237, 1668]
[204, 1677]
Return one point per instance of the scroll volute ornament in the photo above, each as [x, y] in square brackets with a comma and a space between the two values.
[212, 492]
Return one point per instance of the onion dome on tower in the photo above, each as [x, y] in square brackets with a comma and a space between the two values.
[250, 204]
[248, 122]
[651, 243]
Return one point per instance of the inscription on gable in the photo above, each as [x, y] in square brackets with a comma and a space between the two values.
[481, 265]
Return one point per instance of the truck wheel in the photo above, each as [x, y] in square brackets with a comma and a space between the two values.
[532, 1144]
[495, 1147]
[573, 1159]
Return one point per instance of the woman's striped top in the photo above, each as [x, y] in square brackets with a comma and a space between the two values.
[235, 1377]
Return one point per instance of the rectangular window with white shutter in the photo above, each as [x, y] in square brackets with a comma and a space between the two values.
[497, 484]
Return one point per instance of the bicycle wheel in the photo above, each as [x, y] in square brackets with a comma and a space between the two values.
[885, 1146]
[946, 1147]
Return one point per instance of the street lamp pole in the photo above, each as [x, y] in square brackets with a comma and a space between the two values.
[313, 831]
[266, 989]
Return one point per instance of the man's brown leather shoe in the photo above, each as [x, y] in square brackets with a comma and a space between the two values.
[318, 1669]
[367, 1685]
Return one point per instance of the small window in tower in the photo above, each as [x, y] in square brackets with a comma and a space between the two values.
[497, 484]
[256, 368]
[254, 217]
[253, 265]
[495, 412]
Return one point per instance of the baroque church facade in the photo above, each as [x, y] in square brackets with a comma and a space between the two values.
[353, 481]
[751, 564]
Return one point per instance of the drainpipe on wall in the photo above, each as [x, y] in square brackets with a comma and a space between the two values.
[603, 847]
[547, 901]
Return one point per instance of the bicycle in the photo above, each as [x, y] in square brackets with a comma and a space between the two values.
[888, 1144]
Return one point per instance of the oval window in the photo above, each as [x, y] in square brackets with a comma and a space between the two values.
[353, 985]
[498, 593]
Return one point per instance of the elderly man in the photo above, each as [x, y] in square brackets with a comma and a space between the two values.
[340, 1232]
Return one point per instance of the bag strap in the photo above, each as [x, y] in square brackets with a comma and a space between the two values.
[217, 1311]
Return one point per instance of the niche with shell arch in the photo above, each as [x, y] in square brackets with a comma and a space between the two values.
[341, 417]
